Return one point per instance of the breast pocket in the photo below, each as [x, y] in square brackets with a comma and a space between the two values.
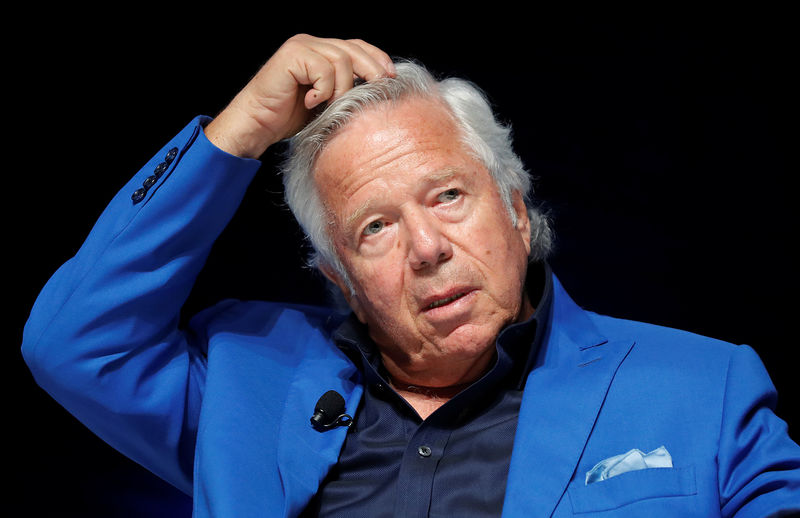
[630, 487]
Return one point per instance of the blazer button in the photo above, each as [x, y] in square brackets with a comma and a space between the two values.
[160, 168]
[171, 155]
[424, 451]
[138, 195]
[149, 181]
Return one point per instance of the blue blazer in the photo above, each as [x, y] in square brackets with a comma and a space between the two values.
[221, 409]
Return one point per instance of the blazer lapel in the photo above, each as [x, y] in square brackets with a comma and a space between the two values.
[305, 455]
[257, 453]
[563, 396]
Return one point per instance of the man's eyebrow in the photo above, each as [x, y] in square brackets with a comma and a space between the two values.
[440, 176]
[357, 214]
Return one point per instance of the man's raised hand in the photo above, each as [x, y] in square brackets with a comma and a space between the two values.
[303, 73]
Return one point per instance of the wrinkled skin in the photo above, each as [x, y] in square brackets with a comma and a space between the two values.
[417, 220]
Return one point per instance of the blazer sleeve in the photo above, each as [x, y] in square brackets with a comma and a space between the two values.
[103, 336]
[759, 464]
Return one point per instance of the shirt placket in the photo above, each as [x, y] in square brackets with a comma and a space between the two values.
[425, 448]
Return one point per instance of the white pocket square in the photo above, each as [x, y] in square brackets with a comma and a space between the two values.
[631, 461]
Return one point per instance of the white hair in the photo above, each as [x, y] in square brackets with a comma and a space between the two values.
[489, 140]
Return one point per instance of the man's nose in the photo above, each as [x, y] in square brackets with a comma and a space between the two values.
[428, 245]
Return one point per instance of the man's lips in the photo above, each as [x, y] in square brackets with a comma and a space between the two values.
[442, 299]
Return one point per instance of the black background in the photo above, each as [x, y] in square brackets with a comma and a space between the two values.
[663, 145]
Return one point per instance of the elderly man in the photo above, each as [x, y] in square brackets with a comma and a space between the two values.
[471, 384]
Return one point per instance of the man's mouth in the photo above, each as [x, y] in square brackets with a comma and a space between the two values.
[447, 300]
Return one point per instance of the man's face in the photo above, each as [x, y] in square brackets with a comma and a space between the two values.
[436, 265]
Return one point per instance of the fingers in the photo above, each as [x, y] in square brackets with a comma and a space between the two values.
[302, 74]
[329, 65]
[371, 55]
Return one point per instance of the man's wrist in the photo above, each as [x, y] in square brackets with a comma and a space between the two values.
[238, 135]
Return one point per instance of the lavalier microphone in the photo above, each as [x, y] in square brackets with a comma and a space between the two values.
[329, 412]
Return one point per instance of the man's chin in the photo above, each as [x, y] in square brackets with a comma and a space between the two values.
[468, 340]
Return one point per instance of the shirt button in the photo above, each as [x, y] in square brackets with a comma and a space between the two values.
[424, 451]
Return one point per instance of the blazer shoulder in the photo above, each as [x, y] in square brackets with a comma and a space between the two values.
[262, 318]
[664, 340]
[235, 314]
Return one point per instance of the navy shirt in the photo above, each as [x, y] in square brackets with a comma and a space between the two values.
[455, 462]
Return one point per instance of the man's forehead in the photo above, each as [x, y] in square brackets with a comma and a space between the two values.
[384, 121]
[404, 134]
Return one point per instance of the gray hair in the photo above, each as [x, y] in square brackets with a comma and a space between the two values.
[489, 141]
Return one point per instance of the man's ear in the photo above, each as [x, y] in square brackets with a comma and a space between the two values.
[352, 300]
[523, 225]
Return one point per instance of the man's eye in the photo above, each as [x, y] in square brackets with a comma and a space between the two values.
[449, 195]
[373, 228]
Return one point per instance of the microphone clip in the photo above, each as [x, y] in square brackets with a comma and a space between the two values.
[321, 424]
[329, 412]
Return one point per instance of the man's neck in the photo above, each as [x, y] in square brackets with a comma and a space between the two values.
[426, 400]
[426, 392]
